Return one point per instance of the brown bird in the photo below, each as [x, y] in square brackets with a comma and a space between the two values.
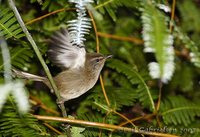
[80, 70]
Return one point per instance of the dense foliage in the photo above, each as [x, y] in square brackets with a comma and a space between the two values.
[136, 33]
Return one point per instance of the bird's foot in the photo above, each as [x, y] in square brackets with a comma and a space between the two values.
[66, 126]
[60, 102]
[67, 129]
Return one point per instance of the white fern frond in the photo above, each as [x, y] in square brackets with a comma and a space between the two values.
[165, 8]
[5, 90]
[16, 88]
[80, 26]
[20, 96]
[159, 41]
[193, 49]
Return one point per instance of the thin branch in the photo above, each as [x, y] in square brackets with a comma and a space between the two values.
[104, 91]
[103, 4]
[48, 14]
[137, 118]
[160, 85]
[104, 119]
[122, 38]
[37, 101]
[53, 129]
[172, 15]
[101, 79]
[124, 117]
[95, 30]
[32, 42]
[110, 110]
[97, 47]
[101, 125]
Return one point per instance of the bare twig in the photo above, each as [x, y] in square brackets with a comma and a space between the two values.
[122, 38]
[102, 126]
[36, 101]
[137, 118]
[52, 128]
[48, 14]
[172, 15]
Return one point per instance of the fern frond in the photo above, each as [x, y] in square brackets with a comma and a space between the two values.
[159, 41]
[12, 124]
[9, 26]
[97, 102]
[194, 51]
[110, 6]
[116, 99]
[145, 95]
[77, 131]
[80, 26]
[178, 110]
[20, 57]
[121, 80]
[93, 117]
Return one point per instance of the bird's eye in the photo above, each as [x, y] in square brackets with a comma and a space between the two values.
[97, 60]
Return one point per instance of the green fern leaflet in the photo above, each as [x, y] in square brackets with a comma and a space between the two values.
[9, 26]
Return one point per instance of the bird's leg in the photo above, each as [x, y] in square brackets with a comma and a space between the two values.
[65, 125]
[62, 107]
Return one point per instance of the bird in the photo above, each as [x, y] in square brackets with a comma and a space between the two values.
[79, 70]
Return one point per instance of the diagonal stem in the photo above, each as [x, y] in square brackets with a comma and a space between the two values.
[172, 15]
[32, 42]
[6, 60]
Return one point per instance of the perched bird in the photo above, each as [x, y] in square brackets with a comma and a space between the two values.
[80, 70]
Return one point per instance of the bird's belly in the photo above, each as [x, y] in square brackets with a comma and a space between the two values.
[77, 90]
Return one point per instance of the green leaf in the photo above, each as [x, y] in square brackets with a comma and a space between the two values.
[136, 79]
[12, 124]
[178, 110]
[189, 44]
[158, 40]
[77, 131]
[111, 6]
[20, 57]
[9, 26]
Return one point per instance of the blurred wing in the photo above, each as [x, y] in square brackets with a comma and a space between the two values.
[63, 53]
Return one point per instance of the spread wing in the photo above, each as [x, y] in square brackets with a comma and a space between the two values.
[63, 53]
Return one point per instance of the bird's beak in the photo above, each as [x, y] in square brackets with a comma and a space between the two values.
[108, 56]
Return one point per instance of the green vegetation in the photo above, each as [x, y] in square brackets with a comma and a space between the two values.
[161, 99]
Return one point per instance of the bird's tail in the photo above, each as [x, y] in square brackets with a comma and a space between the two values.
[25, 75]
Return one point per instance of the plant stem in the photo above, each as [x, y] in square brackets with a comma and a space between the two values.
[32, 42]
[109, 127]
[97, 48]
[6, 60]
